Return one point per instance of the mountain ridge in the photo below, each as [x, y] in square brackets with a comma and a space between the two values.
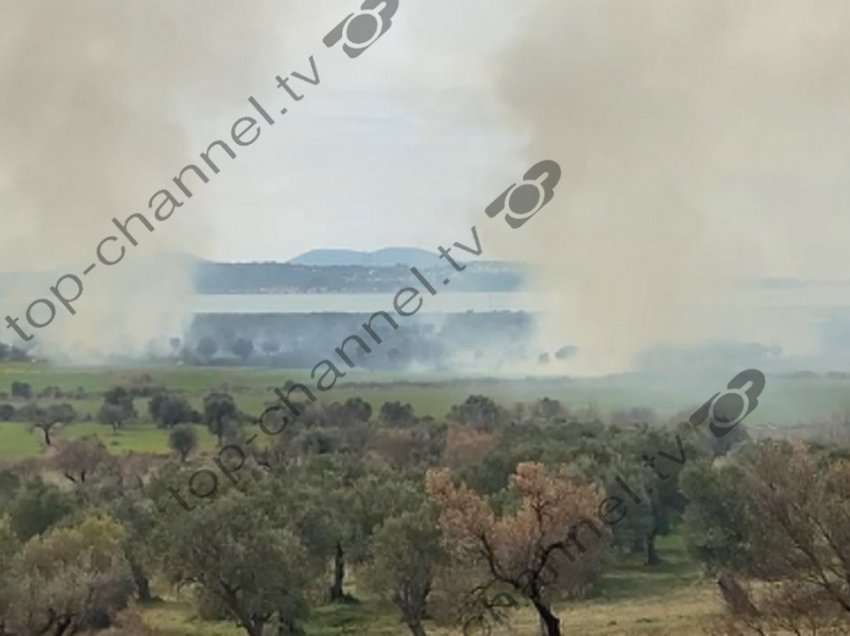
[384, 257]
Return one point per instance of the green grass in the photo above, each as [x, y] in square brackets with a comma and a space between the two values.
[140, 438]
[633, 580]
[17, 442]
[179, 618]
[785, 401]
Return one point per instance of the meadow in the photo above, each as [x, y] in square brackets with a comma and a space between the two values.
[788, 402]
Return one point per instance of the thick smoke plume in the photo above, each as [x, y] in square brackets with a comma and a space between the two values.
[703, 144]
[102, 103]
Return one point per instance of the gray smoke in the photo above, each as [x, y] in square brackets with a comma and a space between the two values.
[103, 103]
[702, 144]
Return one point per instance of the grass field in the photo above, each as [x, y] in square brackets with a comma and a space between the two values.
[785, 402]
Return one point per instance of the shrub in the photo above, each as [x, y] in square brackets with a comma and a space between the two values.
[22, 390]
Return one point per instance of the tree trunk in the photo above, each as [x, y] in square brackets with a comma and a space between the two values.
[550, 625]
[254, 628]
[288, 626]
[143, 588]
[337, 593]
[651, 553]
[62, 626]
[416, 628]
[637, 544]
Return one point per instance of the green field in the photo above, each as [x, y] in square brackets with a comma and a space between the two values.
[786, 402]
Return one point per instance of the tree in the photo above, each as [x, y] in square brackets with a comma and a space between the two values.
[120, 396]
[10, 484]
[548, 409]
[117, 407]
[407, 553]
[155, 404]
[528, 547]
[46, 419]
[10, 547]
[79, 459]
[113, 415]
[310, 504]
[63, 413]
[243, 348]
[357, 409]
[183, 440]
[37, 507]
[789, 512]
[397, 414]
[168, 410]
[270, 347]
[716, 523]
[22, 390]
[138, 517]
[69, 580]
[652, 460]
[256, 570]
[220, 413]
[467, 447]
[409, 447]
[478, 411]
[207, 347]
[360, 508]
[335, 507]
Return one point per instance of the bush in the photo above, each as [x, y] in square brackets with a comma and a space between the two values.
[22, 390]
[31, 412]
[183, 440]
[36, 507]
[117, 407]
[168, 410]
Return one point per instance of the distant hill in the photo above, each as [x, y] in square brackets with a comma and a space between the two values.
[387, 257]
[290, 278]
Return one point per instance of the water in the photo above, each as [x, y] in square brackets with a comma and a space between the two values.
[364, 303]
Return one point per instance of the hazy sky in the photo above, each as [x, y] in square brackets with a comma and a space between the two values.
[407, 143]
[402, 146]
[702, 143]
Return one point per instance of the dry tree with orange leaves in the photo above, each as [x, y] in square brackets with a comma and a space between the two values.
[542, 541]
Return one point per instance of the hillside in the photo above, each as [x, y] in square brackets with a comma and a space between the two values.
[386, 257]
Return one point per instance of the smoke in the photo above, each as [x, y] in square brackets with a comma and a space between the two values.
[103, 103]
[703, 144]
